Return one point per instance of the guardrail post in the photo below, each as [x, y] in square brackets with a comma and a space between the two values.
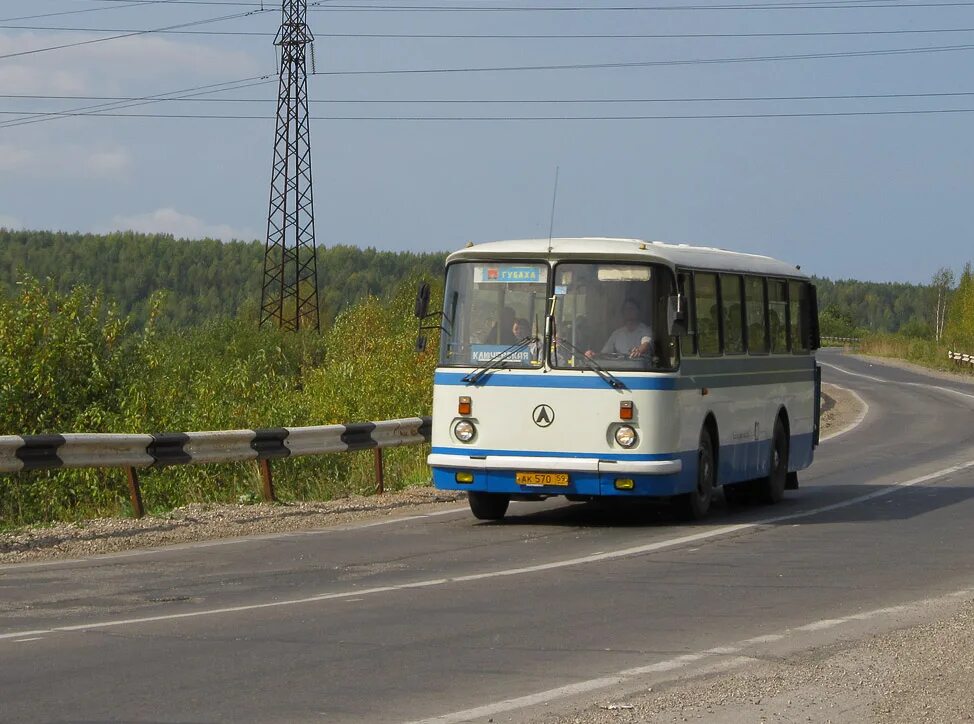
[135, 493]
[267, 480]
[380, 486]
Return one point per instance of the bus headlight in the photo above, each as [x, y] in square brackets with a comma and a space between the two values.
[626, 436]
[464, 431]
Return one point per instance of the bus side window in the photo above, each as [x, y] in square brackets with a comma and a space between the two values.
[688, 341]
[733, 313]
[708, 314]
[778, 315]
[757, 319]
[798, 316]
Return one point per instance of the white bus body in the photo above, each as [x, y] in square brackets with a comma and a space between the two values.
[544, 421]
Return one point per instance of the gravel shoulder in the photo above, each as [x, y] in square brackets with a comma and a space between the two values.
[209, 522]
[921, 673]
[194, 523]
[840, 409]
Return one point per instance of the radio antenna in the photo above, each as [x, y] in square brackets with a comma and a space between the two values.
[554, 198]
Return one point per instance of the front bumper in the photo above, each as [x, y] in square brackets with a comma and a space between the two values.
[587, 476]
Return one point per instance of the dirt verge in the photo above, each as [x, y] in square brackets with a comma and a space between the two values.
[916, 674]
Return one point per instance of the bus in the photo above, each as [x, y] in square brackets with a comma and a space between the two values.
[599, 368]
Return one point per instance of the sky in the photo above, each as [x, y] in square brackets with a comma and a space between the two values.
[876, 196]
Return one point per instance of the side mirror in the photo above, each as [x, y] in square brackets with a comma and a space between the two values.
[423, 301]
[676, 315]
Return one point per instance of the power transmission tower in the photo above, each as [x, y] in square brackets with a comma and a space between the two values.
[289, 294]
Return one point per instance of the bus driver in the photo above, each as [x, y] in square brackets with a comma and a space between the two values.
[633, 339]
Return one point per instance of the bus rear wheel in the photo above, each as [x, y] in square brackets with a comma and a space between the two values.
[488, 506]
[772, 488]
[696, 504]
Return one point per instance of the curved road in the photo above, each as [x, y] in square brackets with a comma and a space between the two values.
[442, 618]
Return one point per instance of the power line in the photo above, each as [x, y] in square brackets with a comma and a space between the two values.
[856, 4]
[925, 111]
[513, 36]
[779, 5]
[91, 41]
[39, 117]
[657, 63]
[127, 4]
[525, 101]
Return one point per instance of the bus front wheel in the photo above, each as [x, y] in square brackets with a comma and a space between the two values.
[772, 488]
[696, 504]
[488, 506]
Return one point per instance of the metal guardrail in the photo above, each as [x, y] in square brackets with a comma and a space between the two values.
[961, 358]
[844, 340]
[131, 452]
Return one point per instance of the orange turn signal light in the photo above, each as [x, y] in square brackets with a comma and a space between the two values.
[465, 406]
[625, 410]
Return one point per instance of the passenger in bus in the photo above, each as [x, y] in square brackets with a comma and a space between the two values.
[521, 329]
[633, 339]
[500, 332]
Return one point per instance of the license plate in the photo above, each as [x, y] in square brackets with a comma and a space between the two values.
[541, 479]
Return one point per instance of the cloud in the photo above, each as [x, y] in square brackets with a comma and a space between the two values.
[10, 222]
[106, 68]
[66, 161]
[181, 226]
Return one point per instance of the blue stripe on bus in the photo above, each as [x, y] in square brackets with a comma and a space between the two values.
[584, 381]
[480, 452]
[591, 381]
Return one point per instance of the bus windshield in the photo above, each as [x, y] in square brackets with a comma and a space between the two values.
[612, 314]
[491, 306]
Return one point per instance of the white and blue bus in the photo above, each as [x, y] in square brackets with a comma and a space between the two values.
[594, 367]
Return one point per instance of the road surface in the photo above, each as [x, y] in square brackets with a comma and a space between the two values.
[444, 618]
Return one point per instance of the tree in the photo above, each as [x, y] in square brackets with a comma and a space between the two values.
[943, 282]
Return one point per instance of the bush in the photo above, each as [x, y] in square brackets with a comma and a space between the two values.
[70, 363]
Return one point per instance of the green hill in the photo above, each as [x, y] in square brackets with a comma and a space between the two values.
[207, 279]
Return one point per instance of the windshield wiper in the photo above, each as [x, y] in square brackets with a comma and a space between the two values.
[610, 379]
[495, 362]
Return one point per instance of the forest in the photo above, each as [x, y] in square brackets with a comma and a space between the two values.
[209, 279]
[143, 333]
[204, 280]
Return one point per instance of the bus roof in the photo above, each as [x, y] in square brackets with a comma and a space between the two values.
[677, 255]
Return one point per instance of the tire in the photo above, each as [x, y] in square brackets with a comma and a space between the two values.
[695, 505]
[772, 488]
[488, 506]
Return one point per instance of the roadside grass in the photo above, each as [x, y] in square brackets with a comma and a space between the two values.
[924, 352]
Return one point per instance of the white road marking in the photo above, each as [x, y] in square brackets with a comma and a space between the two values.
[537, 568]
[859, 418]
[892, 382]
[679, 662]
[24, 641]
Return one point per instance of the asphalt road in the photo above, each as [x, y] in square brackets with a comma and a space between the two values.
[433, 615]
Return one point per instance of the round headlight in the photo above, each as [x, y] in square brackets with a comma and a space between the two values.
[464, 431]
[626, 436]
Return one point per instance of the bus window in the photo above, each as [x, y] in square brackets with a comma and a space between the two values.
[614, 314]
[708, 314]
[489, 308]
[732, 311]
[778, 315]
[798, 315]
[757, 320]
[688, 342]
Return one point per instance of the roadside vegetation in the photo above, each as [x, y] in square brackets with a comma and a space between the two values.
[942, 321]
[70, 362]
